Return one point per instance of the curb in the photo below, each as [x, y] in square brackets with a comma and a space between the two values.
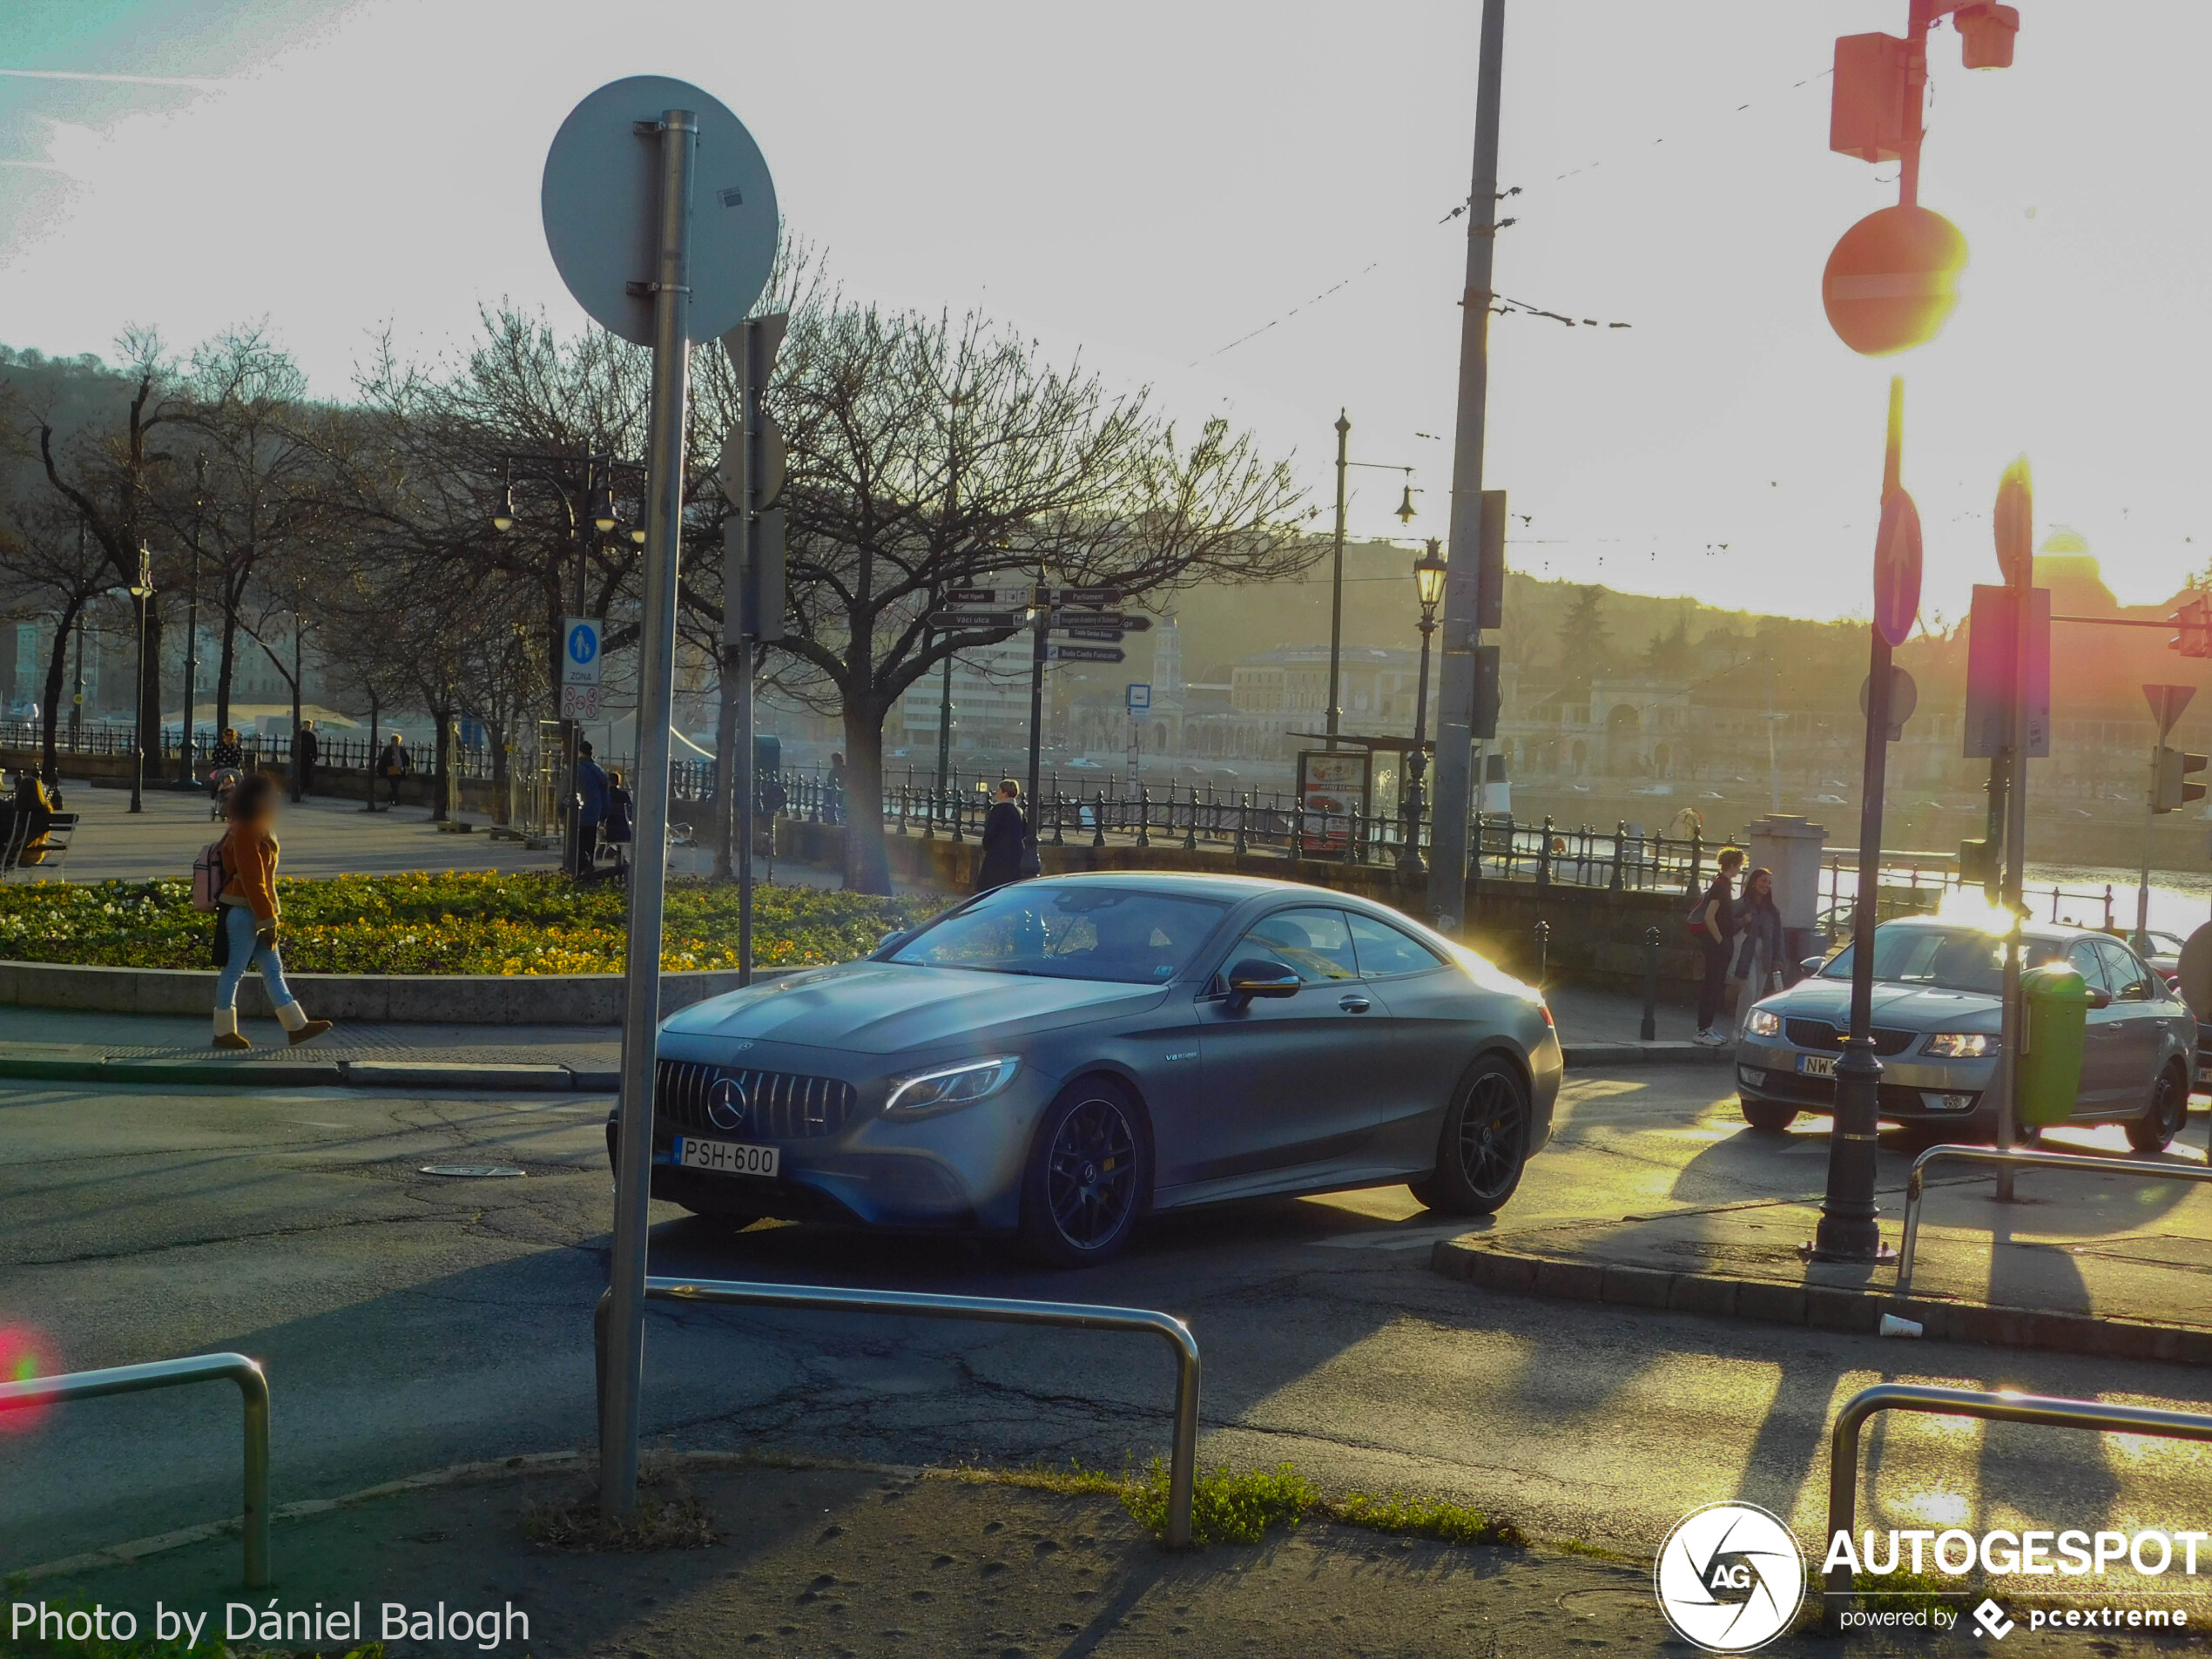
[1825, 1307]
[320, 1073]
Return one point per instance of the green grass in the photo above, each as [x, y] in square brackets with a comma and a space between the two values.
[454, 923]
[1228, 1507]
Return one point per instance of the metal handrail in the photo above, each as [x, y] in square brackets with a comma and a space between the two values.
[2016, 1157]
[1076, 1316]
[252, 1387]
[2050, 1413]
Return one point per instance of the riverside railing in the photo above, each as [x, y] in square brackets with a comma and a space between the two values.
[2048, 1411]
[252, 1387]
[2019, 1158]
[1069, 1316]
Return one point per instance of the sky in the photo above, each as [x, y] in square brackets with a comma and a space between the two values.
[1242, 205]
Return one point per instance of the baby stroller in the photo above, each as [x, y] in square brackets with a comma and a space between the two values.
[220, 782]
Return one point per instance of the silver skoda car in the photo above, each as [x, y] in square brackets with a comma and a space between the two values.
[1938, 1015]
[1055, 1059]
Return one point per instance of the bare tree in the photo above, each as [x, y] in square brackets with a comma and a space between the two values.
[51, 567]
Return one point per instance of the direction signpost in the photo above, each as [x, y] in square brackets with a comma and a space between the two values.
[2167, 703]
[580, 668]
[618, 201]
[1058, 653]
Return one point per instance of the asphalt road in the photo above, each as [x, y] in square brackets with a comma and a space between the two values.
[410, 1321]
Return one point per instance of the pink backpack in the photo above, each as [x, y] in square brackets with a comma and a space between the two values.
[208, 877]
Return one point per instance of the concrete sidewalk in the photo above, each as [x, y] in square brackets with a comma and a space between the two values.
[2079, 1263]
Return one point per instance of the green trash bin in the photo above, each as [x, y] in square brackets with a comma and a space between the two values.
[2057, 1003]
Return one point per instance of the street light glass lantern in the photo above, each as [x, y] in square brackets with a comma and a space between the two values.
[602, 509]
[1405, 505]
[1428, 576]
[504, 519]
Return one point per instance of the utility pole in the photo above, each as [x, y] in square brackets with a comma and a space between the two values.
[192, 628]
[1463, 602]
[1336, 588]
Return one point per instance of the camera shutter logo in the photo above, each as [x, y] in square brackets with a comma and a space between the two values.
[1730, 1577]
[726, 1105]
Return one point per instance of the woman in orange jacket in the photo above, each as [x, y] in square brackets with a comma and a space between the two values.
[249, 915]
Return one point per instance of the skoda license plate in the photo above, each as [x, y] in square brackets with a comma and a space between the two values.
[726, 1157]
[1816, 1065]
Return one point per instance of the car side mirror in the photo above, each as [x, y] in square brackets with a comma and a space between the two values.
[891, 940]
[1811, 965]
[2100, 998]
[1257, 976]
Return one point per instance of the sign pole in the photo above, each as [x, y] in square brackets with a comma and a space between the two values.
[1040, 626]
[1463, 602]
[677, 131]
[1848, 1230]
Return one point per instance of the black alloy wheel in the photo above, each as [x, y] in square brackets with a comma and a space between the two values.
[1484, 1145]
[2165, 1116]
[1086, 1179]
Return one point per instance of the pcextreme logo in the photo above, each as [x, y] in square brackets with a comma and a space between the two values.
[1730, 1577]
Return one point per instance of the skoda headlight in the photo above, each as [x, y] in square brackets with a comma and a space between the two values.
[1960, 1045]
[1764, 1022]
[943, 1088]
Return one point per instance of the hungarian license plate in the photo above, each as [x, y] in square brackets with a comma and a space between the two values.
[728, 1158]
[1816, 1065]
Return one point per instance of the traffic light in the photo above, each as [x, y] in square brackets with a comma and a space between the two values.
[1977, 863]
[2195, 621]
[1485, 723]
[2175, 791]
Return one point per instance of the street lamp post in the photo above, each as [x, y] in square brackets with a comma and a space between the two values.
[1336, 569]
[599, 519]
[192, 630]
[1428, 584]
[142, 592]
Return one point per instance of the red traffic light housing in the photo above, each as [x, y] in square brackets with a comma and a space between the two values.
[2195, 621]
[2174, 791]
[1986, 35]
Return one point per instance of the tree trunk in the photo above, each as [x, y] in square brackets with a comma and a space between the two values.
[226, 664]
[49, 769]
[444, 718]
[495, 734]
[866, 869]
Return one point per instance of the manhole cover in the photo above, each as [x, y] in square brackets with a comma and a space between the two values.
[471, 1171]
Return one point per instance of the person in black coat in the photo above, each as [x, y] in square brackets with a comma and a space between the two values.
[1005, 829]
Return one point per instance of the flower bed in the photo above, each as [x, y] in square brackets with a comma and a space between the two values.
[444, 924]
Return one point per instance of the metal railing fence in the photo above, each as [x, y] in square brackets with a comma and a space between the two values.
[252, 1387]
[1070, 1316]
[2019, 1158]
[2042, 1409]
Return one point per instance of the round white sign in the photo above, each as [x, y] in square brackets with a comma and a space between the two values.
[601, 201]
[1730, 1577]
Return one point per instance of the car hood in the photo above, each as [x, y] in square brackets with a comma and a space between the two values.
[1905, 1007]
[882, 1008]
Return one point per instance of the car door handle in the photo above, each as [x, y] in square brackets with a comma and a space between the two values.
[1354, 1004]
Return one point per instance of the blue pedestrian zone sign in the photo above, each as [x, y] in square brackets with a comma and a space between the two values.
[580, 661]
[1140, 698]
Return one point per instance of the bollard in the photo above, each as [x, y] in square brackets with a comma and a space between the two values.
[1544, 953]
[1099, 819]
[1649, 1030]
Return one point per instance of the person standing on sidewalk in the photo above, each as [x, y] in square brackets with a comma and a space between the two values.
[247, 911]
[391, 765]
[1005, 830]
[1761, 942]
[590, 807]
[307, 748]
[1716, 930]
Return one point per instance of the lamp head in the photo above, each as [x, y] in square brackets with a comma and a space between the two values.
[1428, 575]
[1405, 505]
[602, 509]
[503, 519]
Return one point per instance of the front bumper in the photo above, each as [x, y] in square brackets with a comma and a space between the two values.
[1915, 1089]
[960, 1171]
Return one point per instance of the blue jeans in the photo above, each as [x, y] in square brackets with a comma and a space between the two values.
[240, 928]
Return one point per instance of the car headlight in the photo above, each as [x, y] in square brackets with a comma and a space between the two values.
[1764, 1024]
[1960, 1045]
[943, 1088]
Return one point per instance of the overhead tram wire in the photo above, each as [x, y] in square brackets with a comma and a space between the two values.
[1509, 305]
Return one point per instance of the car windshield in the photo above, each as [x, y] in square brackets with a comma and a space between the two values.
[1946, 958]
[1070, 930]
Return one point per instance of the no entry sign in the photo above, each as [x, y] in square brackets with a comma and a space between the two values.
[1897, 568]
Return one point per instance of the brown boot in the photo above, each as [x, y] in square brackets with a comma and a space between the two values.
[308, 1032]
[227, 1034]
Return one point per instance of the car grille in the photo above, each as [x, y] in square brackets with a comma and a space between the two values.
[1820, 1035]
[780, 1106]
